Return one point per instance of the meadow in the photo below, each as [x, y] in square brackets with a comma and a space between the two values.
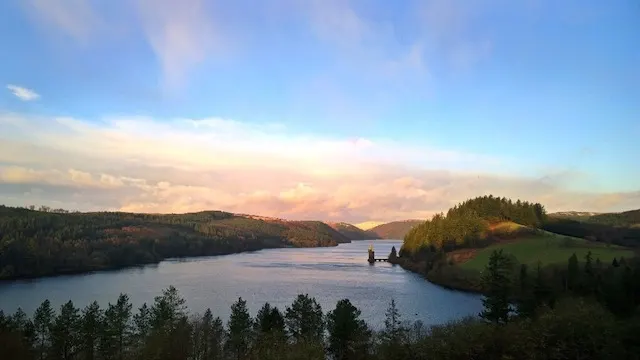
[548, 249]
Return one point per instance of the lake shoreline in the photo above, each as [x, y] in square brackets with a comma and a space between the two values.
[4, 280]
[445, 277]
[275, 275]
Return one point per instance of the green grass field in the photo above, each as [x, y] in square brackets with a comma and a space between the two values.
[548, 248]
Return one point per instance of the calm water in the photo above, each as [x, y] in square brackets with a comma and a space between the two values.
[274, 275]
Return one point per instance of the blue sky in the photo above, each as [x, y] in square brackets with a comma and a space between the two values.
[542, 93]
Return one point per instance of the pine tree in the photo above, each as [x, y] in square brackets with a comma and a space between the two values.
[216, 340]
[117, 329]
[526, 301]
[42, 322]
[304, 319]
[393, 336]
[349, 335]
[240, 327]
[65, 335]
[589, 280]
[496, 281]
[573, 273]
[167, 318]
[393, 255]
[542, 293]
[141, 329]
[270, 332]
[90, 330]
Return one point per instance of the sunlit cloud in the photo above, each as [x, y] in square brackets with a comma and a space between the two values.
[150, 165]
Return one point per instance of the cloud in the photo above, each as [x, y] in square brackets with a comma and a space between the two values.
[182, 36]
[150, 165]
[23, 93]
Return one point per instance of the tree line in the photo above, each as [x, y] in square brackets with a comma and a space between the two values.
[467, 224]
[36, 243]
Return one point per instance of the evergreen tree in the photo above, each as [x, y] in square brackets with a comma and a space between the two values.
[65, 332]
[240, 334]
[589, 279]
[573, 273]
[496, 280]
[168, 327]
[216, 340]
[141, 329]
[393, 336]
[393, 256]
[269, 319]
[304, 319]
[90, 330]
[270, 331]
[349, 335]
[42, 322]
[542, 293]
[167, 311]
[526, 304]
[117, 329]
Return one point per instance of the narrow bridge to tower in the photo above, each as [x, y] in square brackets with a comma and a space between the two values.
[372, 256]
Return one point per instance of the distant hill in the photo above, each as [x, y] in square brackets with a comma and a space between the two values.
[627, 218]
[367, 225]
[573, 215]
[394, 229]
[352, 232]
[37, 243]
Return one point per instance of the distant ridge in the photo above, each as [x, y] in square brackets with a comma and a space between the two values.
[368, 225]
[352, 232]
[395, 229]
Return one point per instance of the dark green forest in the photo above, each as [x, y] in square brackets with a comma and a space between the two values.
[523, 318]
[467, 224]
[49, 242]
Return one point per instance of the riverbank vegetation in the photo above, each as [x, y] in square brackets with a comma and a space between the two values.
[565, 328]
[50, 242]
[451, 249]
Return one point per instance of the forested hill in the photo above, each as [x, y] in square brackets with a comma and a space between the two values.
[468, 224]
[37, 243]
[352, 232]
[394, 229]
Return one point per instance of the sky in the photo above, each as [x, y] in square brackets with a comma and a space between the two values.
[337, 110]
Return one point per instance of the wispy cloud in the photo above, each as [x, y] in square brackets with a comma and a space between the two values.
[75, 18]
[182, 35]
[144, 164]
[23, 93]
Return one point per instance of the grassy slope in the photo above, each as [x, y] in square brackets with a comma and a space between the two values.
[548, 248]
[394, 229]
[352, 232]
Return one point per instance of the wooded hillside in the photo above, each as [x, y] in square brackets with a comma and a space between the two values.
[468, 224]
[352, 232]
[394, 229]
[37, 243]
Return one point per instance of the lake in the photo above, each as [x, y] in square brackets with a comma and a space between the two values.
[273, 275]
